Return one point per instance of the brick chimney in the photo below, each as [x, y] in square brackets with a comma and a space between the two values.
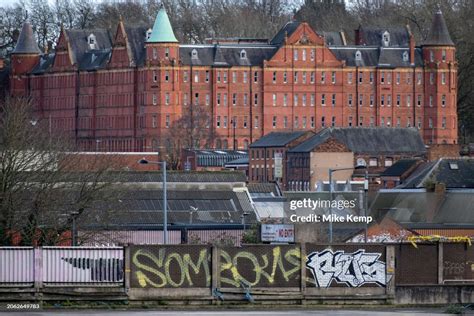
[357, 36]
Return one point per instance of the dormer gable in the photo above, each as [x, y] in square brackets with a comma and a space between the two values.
[121, 52]
[63, 59]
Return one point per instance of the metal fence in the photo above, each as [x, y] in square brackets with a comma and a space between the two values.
[259, 266]
[17, 266]
[83, 265]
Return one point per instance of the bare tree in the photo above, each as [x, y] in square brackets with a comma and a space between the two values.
[11, 20]
[191, 130]
[40, 187]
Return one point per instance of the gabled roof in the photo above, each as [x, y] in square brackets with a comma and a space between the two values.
[162, 31]
[369, 140]
[439, 34]
[277, 139]
[286, 30]
[144, 208]
[454, 173]
[26, 42]
[80, 46]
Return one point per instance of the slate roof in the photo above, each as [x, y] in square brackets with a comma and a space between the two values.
[186, 177]
[399, 168]
[372, 36]
[454, 173]
[421, 208]
[217, 158]
[26, 43]
[155, 176]
[46, 61]
[136, 39]
[144, 208]
[439, 34]
[79, 44]
[276, 139]
[226, 55]
[369, 140]
[287, 30]
[382, 57]
[333, 38]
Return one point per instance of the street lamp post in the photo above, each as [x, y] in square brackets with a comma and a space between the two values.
[74, 215]
[165, 201]
[331, 171]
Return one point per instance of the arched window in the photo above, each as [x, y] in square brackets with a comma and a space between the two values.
[246, 144]
[218, 144]
[243, 54]
[225, 144]
[358, 55]
[386, 39]
[194, 54]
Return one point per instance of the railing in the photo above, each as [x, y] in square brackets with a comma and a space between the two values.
[61, 266]
[17, 266]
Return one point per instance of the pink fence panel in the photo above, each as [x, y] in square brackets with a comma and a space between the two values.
[91, 266]
[17, 266]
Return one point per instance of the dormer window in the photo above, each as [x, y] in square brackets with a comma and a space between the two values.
[243, 54]
[194, 54]
[386, 39]
[405, 56]
[91, 40]
[148, 34]
[358, 55]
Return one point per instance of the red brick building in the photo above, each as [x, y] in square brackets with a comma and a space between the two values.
[122, 90]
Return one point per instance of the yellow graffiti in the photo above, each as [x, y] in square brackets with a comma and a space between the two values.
[160, 273]
[414, 239]
[259, 267]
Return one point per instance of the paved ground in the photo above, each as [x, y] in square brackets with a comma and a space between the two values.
[338, 312]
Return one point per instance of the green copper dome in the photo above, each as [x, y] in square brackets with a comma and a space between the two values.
[162, 31]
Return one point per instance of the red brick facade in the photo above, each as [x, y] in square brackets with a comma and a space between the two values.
[302, 86]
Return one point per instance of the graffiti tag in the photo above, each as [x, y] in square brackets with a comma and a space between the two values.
[101, 269]
[172, 269]
[260, 267]
[350, 269]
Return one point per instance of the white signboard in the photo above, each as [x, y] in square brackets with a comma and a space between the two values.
[278, 232]
[278, 165]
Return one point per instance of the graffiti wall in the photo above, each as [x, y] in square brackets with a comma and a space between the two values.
[260, 266]
[170, 266]
[190, 266]
[345, 265]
